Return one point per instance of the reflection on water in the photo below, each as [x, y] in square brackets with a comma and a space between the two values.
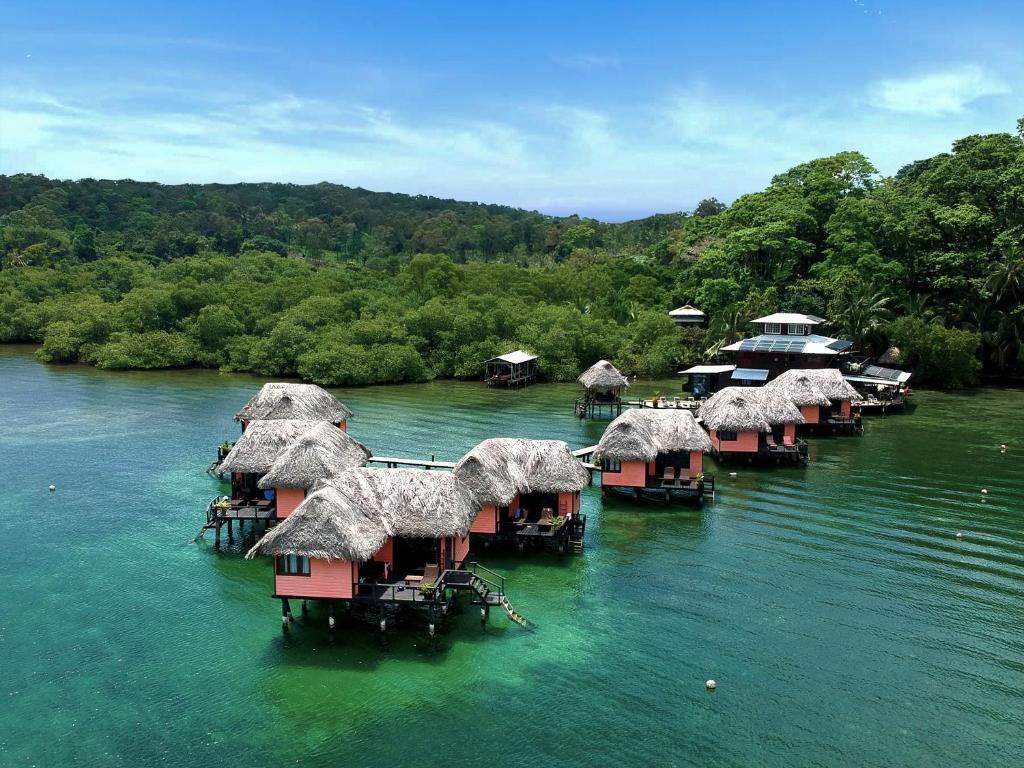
[843, 620]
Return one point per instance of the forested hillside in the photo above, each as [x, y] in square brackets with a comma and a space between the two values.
[346, 286]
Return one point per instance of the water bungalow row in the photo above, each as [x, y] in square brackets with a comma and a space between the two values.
[378, 539]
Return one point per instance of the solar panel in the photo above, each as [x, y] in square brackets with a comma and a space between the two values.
[878, 372]
[772, 345]
[840, 345]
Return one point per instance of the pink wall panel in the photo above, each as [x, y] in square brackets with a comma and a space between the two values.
[633, 475]
[745, 442]
[486, 521]
[461, 549]
[811, 413]
[327, 578]
[288, 499]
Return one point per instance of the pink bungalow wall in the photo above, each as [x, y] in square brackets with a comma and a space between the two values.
[287, 500]
[632, 474]
[844, 409]
[745, 442]
[486, 521]
[811, 413]
[461, 549]
[327, 578]
[789, 434]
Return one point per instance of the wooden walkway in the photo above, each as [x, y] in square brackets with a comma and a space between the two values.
[394, 463]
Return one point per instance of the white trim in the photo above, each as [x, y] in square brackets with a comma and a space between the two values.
[773, 329]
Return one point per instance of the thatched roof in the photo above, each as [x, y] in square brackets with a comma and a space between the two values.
[891, 356]
[799, 388]
[831, 382]
[294, 401]
[644, 433]
[499, 469]
[351, 516]
[262, 442]
[319, 453]
[748, 409]
[602, 376]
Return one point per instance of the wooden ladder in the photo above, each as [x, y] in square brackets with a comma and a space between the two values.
[512, 613]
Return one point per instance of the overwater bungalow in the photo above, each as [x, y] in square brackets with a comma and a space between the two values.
[753, 424]
[381, 539]
[837, 415]
[787, 340]
[256, 451]
[528, 492]
[655, 452]
[604, 384]
[516, 369]
[320, 453]
[879, 388]
[305, 402]
[798, 387]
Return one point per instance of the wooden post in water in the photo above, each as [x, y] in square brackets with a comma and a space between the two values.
[286, 613]
[216, 538]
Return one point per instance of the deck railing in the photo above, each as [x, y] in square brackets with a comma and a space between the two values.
[494, 581]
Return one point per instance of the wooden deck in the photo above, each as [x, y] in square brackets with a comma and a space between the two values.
[392, 462]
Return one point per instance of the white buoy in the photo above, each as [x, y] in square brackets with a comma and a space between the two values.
[959, 535]
[710, 685]
[53, 488]
[984, 491]
[732, 474]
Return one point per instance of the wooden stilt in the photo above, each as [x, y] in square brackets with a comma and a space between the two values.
[330, 615]
[286, 613]
[216, 539]
[231, 535]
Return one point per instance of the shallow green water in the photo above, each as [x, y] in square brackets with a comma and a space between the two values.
[844, 622]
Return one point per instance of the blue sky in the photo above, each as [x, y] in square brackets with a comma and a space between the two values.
[614, 110]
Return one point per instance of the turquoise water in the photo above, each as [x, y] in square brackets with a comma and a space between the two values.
[843, 620]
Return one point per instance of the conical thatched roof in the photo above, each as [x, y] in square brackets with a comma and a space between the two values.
[262, 442]
[351, 516]
[891, 356]
[499, 469]
[831, 382]
[318, 454]
[800, 388]
[748, 409]
[640, 435]
[294, 401]
[602, 376]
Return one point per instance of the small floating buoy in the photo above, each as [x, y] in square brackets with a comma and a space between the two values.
[1003, 447]
[53, 488]
[710, 685]
[984, 491]
[959, 535]
[732, 474]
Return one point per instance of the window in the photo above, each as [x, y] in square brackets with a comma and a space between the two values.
[293, 565]
[797, 329]
[607, 465]
[773, 328]
[726, 436]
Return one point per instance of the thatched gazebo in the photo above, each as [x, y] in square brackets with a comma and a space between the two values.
[374, 535]
[319, 453]
[753, 422]
[525, 488]
[655, 450]
[294, 401]
[604, 384]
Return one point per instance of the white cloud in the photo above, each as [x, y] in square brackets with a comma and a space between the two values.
[938, 93]
[612, 159]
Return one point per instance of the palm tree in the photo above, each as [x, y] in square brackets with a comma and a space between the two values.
[726, 328]
[1006, 277]
[919, 305]
[862, 311]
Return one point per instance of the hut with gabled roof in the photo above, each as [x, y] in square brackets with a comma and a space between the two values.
[753, 423]
[658, 452]
[823, 396]
[604, 384]
[528, 491]
[319, 453]
[306, 402]
[376, 536]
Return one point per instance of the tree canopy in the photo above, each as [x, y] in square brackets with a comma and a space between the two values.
[347, 286]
